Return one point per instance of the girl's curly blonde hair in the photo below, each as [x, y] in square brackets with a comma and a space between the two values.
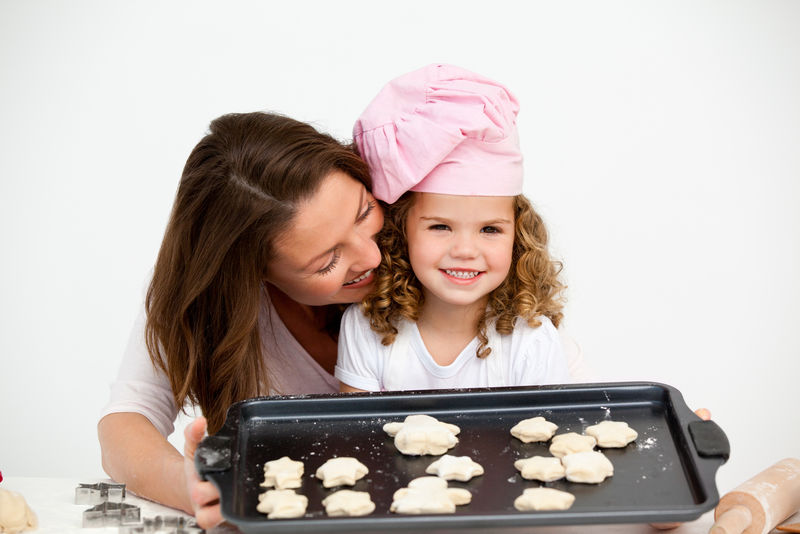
[530, 290]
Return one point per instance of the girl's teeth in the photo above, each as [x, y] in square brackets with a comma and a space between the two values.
[360, 278]
[462, 274]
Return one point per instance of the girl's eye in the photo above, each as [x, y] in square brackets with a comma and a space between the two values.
[370, 207]
[332, 264]
[491, 230]
[441, 227]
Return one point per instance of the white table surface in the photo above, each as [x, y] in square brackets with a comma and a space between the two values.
[53, 501]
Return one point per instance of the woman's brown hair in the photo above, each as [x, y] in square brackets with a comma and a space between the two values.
[238, 192]
[531, 289]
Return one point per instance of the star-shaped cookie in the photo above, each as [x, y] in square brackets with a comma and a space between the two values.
[422, 434]
[282, 504]
[340, 471]
[461, 468]
[612, 434]
[282, 473]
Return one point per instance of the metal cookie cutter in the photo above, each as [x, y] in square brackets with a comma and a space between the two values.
[99, 493]
[163, 525]
[110, 514]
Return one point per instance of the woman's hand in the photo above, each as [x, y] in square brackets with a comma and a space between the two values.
[203, 494]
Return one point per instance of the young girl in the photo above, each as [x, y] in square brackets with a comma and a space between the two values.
[466, 294]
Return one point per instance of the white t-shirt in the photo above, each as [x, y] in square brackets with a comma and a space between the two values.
[143, 389]
[527, 356]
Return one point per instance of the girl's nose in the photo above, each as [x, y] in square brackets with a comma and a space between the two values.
[464, 246]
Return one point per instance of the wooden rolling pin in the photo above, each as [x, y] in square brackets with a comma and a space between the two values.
[758, 505]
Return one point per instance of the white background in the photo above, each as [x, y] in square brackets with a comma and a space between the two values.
[662, 146]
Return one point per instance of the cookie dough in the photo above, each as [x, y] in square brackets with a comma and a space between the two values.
[544, 468]
[534, 429]
[348, 503]
[422, 434]
[282, 504]
[539, 499]
[341, 471]
[283, 473]
[15, 515]
[428, 495]
[570, 443]
[612, 434]
[590, 467]
[461, 468]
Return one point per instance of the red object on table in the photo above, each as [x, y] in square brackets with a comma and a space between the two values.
[1, 476]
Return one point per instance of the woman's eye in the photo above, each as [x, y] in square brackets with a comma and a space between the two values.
[370, 207]
[331, 265]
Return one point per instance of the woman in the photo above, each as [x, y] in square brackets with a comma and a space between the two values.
[273, 227]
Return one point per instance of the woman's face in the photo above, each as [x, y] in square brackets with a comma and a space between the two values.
[329, 251]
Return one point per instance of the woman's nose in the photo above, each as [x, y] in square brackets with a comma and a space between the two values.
[368, 254]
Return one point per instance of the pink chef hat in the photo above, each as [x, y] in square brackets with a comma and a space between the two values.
[441, 129]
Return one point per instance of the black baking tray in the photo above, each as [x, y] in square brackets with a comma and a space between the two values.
[667, 474]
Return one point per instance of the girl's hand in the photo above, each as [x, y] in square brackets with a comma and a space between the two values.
[203, 495]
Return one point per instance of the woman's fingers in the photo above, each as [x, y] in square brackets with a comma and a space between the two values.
[703, 414]
[208, 517]
[205, 493]
[193, 434]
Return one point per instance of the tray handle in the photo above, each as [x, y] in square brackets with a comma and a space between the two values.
[709, 440]
[213, 455]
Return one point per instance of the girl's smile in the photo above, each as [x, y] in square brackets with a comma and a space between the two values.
[459, 276]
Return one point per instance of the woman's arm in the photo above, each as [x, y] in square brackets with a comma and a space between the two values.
[344, 388]
[136, 454]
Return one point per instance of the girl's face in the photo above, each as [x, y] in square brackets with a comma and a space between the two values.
[328, 254]
[460, 247]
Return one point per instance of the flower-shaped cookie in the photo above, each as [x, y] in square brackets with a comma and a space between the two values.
[534, 429]
[422, 434]
[543, 499]
[348, 503]
[428, 495]
[571, 442]
[461, 468]
[589, 467]
[544, 468]
[342, 470]
[282, 473]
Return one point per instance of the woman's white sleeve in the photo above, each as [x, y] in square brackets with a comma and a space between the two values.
[358, 364]
[140, 387]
